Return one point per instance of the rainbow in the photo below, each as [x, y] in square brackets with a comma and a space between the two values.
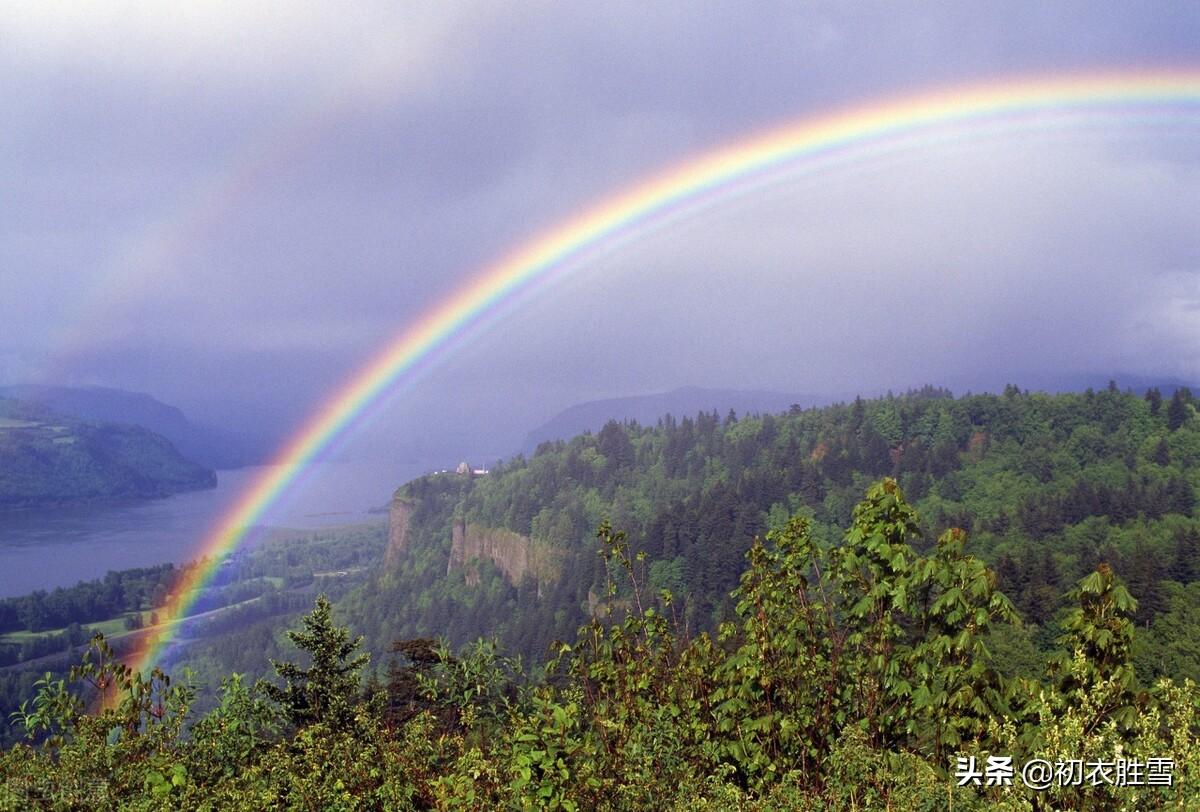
[1020, 103]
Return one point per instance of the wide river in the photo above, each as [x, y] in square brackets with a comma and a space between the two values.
[45, 549]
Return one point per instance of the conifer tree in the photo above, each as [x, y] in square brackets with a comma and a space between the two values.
[1185, 565]
[1177, 412]
[1154, 398]
[328, 690]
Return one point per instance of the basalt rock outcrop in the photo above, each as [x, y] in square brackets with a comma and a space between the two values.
[399, 520]
[515, 555]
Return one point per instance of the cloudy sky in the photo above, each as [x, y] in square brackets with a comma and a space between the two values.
[232, 206]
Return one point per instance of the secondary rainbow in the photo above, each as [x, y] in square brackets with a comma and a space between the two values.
[846, 135]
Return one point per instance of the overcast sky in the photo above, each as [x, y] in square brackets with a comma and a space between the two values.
[231, 206]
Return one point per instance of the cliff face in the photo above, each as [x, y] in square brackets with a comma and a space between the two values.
[514, 555]
[399, 516]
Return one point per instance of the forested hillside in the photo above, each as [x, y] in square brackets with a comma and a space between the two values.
[50, 459]
[1047, 486]
[208, 446]
[592, 415]
[714, 613]
[853, 677]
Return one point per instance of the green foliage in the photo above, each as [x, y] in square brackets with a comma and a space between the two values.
[87, 602]
[128, 747]
[1047, 486]
[1098, 638]
[957, 693]
[867, 635]
[326, 691]
[854, 676]
[477, 683]
[54, 709]
[51, 459]
[1171, 646]
[245, 722]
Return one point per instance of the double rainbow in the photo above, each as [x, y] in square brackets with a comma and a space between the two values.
[844, 136]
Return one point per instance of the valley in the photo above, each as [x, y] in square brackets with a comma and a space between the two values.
[1022, 494]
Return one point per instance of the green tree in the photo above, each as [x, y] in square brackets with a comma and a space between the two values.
[957, 695]
[1177, 412]
[874, 570]
[1154, 398]
[868, 637]
[1185, 563]
[1099, 631]
[328, 690]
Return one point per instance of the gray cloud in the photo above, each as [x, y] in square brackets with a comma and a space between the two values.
[232, 207]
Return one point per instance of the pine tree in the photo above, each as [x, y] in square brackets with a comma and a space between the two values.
[328, 690]
[1154, 398]
[1177, 412]
[1185, 565]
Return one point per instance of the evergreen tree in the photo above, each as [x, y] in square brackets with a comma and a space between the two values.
[1009, 575]
[1185, 564]
[1177, 412]
[1154, 398]
[1162, 453]
[1144, 578]
[328, 690]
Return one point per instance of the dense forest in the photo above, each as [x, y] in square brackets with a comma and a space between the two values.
[851, 676]
[1022, 580]
[1047, 486]
[90, 601]
[48, 459]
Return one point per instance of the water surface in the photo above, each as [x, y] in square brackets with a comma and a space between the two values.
[59, 547]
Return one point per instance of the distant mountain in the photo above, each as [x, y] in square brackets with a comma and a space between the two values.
[647, 409]
[48, 459]
[208, 446]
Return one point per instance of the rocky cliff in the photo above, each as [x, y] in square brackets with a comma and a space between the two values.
[514, 555]
[399, 518]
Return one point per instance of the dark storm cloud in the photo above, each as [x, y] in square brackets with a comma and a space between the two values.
[232, 207]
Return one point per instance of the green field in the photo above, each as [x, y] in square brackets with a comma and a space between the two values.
[109, 628]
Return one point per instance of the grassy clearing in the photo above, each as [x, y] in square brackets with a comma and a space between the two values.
[115, 625]
[108, 627]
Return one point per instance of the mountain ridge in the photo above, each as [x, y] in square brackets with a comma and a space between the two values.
[207, 445]
[49, 459]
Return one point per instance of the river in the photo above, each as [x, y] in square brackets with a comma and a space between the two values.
[45, 549]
